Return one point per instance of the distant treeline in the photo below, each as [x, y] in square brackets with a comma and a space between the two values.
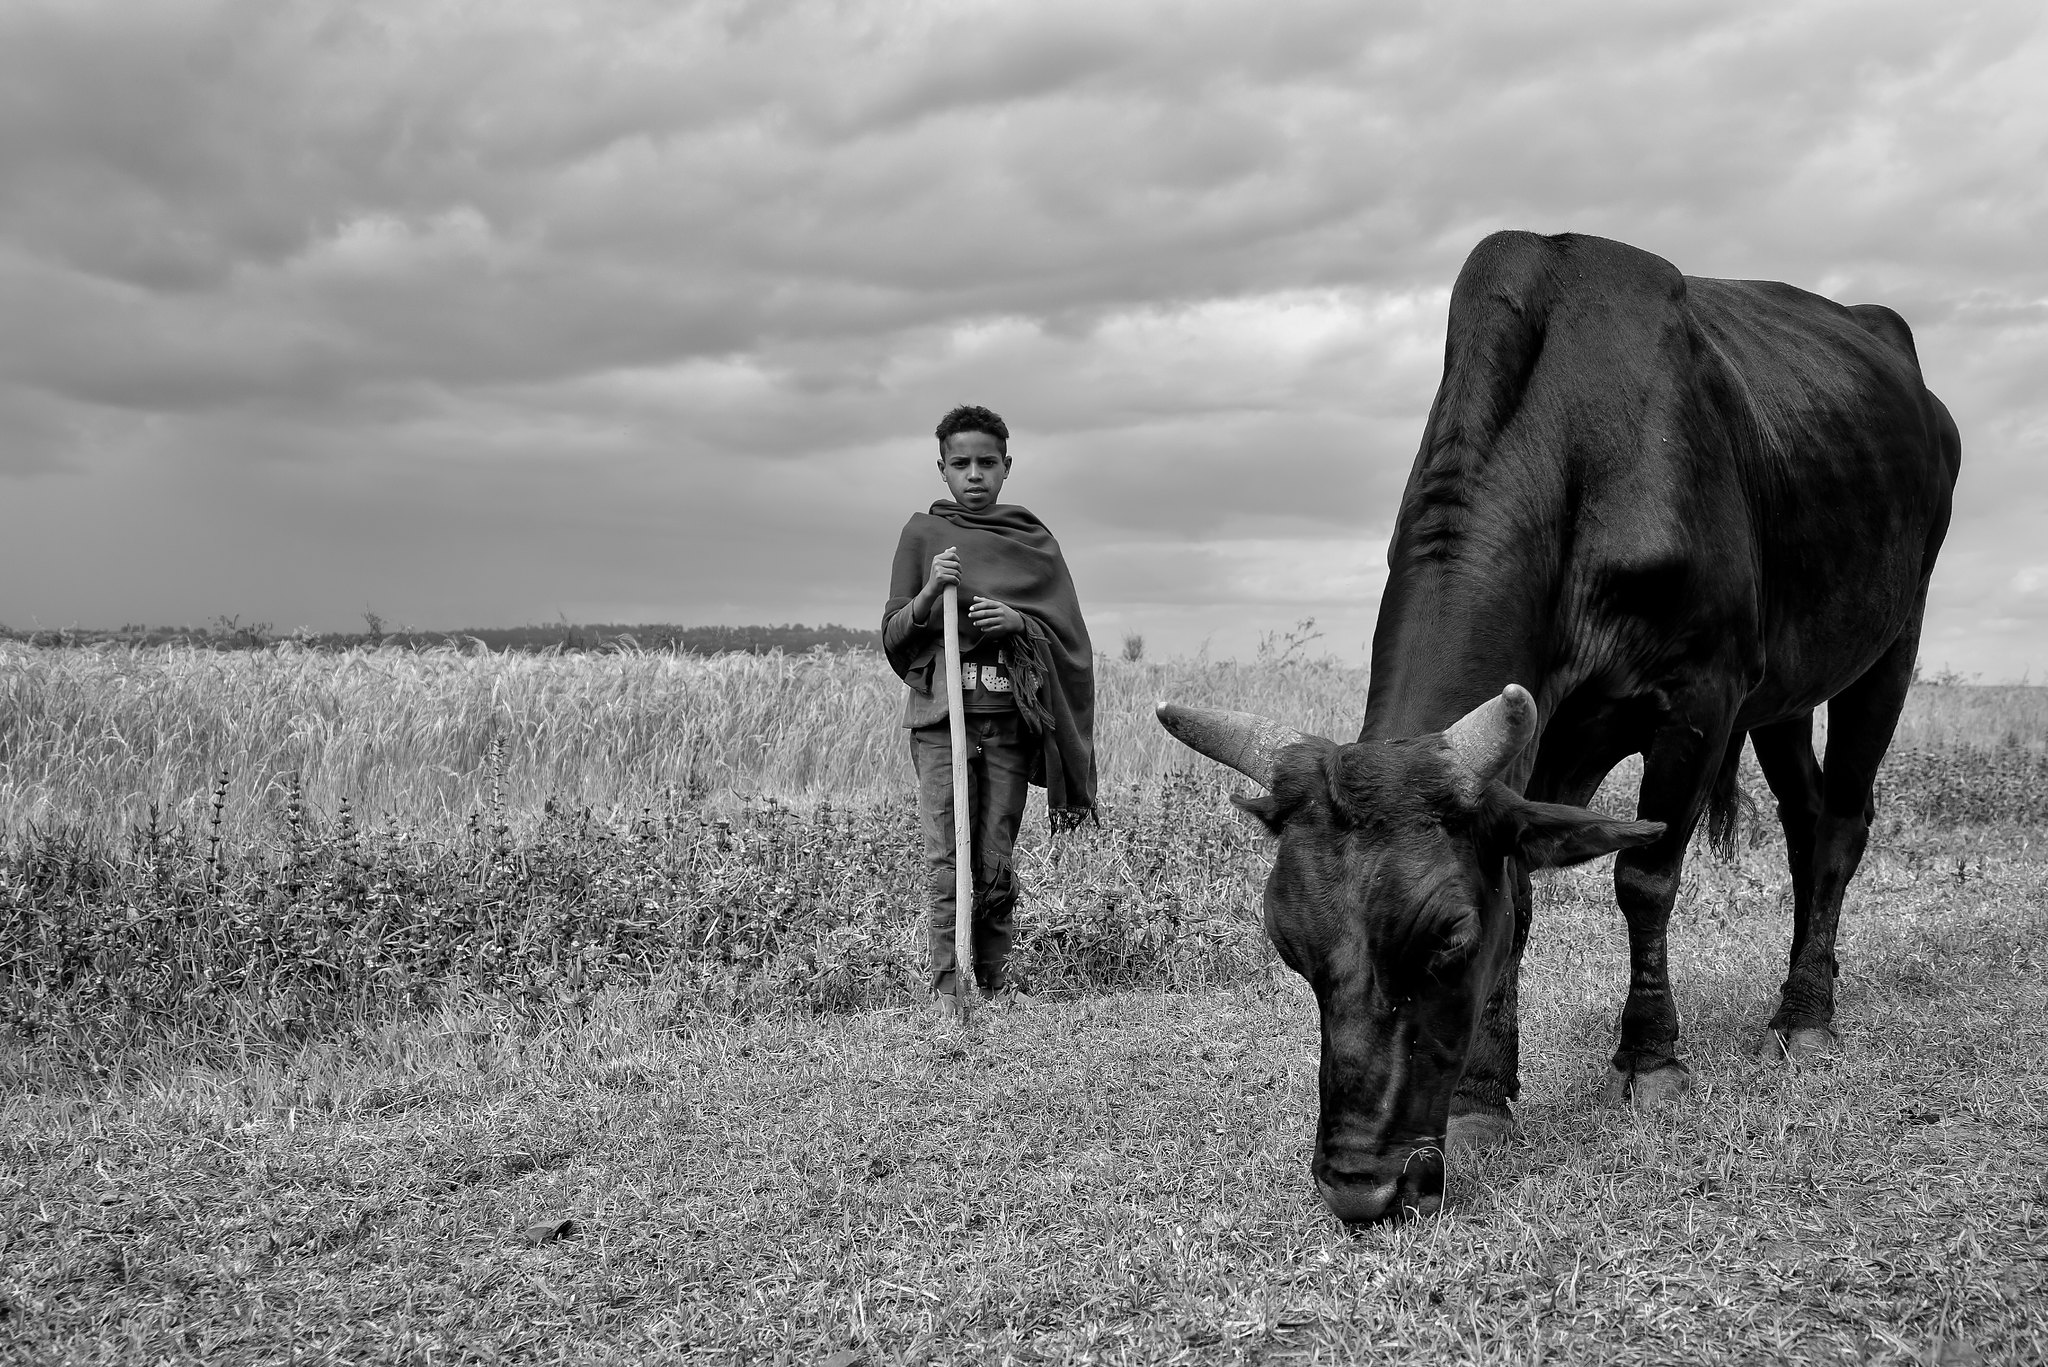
[228, 633]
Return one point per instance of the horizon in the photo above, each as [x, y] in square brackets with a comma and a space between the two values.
[1275, 647]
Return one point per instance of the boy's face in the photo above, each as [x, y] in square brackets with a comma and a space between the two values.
[975, 467]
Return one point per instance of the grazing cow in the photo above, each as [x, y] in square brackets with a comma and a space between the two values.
[1651, 514]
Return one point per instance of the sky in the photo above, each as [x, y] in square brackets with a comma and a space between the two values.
[474, 315]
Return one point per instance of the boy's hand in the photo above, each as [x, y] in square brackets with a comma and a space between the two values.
[995, 619]
[945, 570]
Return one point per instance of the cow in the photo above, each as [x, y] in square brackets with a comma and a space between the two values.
[1651, 514]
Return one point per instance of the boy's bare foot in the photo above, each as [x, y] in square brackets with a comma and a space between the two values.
[1011, 998]
[946, 1009]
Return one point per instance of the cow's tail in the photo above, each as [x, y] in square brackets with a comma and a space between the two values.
[1724, 800]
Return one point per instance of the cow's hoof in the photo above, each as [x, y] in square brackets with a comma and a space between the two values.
[1657, 1087]
[1800, 1044]
[1478, 1130]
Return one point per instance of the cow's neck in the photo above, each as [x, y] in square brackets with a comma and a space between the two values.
[1457, 625]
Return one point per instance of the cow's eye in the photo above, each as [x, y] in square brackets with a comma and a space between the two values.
[1455, 948]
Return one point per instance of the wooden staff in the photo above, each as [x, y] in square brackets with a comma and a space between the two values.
[963, 849]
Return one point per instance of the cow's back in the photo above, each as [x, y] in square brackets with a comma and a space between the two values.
[1631, 479]
[1848, 467]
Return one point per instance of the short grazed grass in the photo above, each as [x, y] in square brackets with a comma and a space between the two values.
[1106, 1179]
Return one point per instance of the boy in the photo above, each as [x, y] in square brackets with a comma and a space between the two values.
[1027, 686]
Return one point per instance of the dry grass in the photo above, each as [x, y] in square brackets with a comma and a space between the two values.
[1111, 1180]
[1987, 716]
[96, 735]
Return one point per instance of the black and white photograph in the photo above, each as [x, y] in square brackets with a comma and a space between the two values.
[868, 683]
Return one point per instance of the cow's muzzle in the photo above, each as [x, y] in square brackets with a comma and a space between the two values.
[1407, 1181]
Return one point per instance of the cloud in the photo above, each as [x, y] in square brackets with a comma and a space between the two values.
[678, 292]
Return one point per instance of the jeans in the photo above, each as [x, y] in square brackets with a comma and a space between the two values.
[998, 777]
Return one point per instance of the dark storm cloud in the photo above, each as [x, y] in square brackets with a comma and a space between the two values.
[485, 311]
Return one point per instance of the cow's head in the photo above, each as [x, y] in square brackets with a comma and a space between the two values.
[1391, 896]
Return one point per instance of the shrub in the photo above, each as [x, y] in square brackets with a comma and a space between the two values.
[737, 909]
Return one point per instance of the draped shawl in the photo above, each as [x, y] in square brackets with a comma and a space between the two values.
[1007, 554]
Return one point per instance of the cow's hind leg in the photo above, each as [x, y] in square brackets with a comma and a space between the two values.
[1784, 751]
[1678, 770]
[1861, 719]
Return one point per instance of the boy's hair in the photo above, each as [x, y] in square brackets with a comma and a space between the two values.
[970, 417]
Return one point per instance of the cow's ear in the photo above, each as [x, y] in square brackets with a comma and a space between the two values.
[1298, 772]
[1267, 808]
[1549, 835]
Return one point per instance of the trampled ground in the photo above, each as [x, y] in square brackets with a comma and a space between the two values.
[1116, 1179]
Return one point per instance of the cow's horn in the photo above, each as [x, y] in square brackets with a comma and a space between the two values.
[1487, 739]
[1245, 741]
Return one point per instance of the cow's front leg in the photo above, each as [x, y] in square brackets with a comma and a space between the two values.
[1646, 1066]
[1482, 1110]
[1681, 762]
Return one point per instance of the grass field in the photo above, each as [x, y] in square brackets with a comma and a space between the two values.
[463, 1079]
